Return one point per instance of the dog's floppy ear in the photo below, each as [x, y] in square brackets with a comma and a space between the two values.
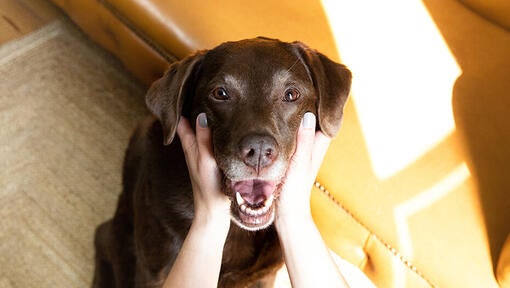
[166, 96]
[332, 82]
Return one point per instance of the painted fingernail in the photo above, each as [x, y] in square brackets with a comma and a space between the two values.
[202, 120]
[309, 120]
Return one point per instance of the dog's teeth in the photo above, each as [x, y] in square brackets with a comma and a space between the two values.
[239, 199]
[269, 201]
[255, 212]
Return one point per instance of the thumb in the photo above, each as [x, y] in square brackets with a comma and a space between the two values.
[305, 139]
[204, 141]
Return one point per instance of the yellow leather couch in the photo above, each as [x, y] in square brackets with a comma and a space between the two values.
[415, 189]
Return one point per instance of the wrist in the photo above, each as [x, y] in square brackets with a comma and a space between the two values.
[213, 222]
[294, 220]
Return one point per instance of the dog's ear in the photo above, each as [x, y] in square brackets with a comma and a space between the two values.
[166, 96]
[332, 82]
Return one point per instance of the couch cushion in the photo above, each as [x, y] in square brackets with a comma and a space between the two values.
[432, 75]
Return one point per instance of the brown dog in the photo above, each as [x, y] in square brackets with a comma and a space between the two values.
[255, 93]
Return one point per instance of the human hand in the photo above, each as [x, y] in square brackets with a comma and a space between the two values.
[294, 201]
[210, 203]
[306, 256]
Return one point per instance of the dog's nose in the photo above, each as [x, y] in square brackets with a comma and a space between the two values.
[258, 151]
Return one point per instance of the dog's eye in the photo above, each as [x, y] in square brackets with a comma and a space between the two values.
[220, 94]
[291, 95]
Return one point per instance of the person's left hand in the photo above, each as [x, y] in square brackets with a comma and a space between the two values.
[210, 202]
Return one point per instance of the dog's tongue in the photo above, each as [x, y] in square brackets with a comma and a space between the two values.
[254, 191]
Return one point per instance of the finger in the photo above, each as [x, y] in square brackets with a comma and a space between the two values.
[305, 138]
[203, 137]
[320, 148]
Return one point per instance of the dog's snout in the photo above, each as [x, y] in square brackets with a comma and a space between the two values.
[258, 151]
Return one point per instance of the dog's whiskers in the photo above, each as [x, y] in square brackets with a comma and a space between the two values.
[287, 72]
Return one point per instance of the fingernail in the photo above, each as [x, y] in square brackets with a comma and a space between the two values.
[202, 120]
[309, 120]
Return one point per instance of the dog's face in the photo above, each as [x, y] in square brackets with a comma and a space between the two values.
[254, 93]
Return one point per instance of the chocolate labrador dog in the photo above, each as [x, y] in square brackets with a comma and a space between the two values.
[254, 93]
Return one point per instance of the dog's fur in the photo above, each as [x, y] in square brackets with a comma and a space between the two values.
[254, 93]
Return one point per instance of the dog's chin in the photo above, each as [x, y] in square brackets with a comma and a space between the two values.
[253, 203]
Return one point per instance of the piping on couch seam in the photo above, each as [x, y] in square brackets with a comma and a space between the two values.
[390, 248]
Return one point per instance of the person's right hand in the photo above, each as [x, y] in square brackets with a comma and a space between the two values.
[294, 202]
[306, 256]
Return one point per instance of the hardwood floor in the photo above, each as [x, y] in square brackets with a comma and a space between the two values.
[21, 17]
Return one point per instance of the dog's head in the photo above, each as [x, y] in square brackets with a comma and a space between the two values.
[254, 93]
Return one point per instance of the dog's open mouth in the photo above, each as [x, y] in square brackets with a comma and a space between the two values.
[253, 205]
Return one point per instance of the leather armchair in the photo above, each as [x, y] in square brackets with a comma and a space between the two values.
[413, 191]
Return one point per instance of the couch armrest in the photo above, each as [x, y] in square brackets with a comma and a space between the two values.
[105, 28]
[496, 11]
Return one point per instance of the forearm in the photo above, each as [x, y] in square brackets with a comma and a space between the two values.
[199, 261]
[307, 258]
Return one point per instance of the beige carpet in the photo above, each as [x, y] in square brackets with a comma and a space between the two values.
[66, 112]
